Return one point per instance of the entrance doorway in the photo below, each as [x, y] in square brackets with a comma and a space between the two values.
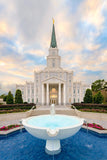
[53, 94]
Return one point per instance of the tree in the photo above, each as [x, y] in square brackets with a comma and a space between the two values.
[105, 86]
[98, 85]
[4, 98]
[1, 96]
[88, 96]
[18, 96]
[9, 99]
[98, 98]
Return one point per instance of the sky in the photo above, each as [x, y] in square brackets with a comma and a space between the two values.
[25, 35]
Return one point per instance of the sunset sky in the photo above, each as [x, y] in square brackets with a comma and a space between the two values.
[25, 33]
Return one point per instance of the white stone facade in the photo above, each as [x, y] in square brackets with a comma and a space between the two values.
[53, 84]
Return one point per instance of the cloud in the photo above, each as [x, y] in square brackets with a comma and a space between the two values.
[36, 52]
[92, 12]
[25, 34]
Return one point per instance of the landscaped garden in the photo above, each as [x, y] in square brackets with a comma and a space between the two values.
[94, 125]
[6, 128]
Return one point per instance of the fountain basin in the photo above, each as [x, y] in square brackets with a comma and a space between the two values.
[52, 128]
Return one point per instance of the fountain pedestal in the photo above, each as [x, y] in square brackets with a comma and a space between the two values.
[53, 147]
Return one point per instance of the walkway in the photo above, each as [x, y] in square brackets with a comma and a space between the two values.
[14, 118]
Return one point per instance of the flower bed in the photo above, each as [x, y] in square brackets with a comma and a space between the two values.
[94, 125]
[5, 128]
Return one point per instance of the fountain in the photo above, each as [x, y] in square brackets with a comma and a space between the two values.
[53, 128]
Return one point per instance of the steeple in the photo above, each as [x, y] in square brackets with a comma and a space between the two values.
[53, 59]
[53, 38]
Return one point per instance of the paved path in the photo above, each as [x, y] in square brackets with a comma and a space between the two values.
[11, 118]
[14, 118]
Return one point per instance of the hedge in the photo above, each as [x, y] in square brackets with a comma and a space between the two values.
[90, 106]
[16, 106]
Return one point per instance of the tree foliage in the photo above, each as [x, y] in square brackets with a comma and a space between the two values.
[2, 95]
[4, 98]
[18, 96]
[88, 96]
[98, 85]
[98, 98]
[9, 99]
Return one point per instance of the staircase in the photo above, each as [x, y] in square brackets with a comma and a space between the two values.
[59, 109]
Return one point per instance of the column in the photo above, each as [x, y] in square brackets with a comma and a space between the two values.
[35, 101]
[47, 94]
[34, 93]
[64, 93]
[42, 94]
[59, 93]
[26, 93]
[30, 93]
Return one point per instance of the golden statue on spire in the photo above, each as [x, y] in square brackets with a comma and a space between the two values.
[53, 20]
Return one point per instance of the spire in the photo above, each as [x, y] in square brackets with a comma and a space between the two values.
[53, 37]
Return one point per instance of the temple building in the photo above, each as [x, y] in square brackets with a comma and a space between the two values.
[53, 84]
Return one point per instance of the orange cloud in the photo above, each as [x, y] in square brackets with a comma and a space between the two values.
[6, 29]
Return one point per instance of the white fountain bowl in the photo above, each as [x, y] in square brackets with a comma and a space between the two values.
[53, 135]
[43, 132]
[52, 128]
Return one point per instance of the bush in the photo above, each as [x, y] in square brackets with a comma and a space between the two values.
[18, 97]
[88, 96]
[98, 98]
[25, 103]
[15, 107]
[9, 99]
[90, 106]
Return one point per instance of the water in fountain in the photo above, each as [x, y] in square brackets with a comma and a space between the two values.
[52, 109]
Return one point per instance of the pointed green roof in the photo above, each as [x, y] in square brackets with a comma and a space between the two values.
[53, 38]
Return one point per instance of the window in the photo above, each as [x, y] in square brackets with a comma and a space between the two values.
[78, 100]
[74, 100]
[70, 81]
[69, 76]
[28, 91]
[32, 100]
[74, 90]
[78, 90]
[53, 63]
[60, 74]
[37, 90]
[36, 75]
[32, 91]
[28, 100]
[37, 100]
